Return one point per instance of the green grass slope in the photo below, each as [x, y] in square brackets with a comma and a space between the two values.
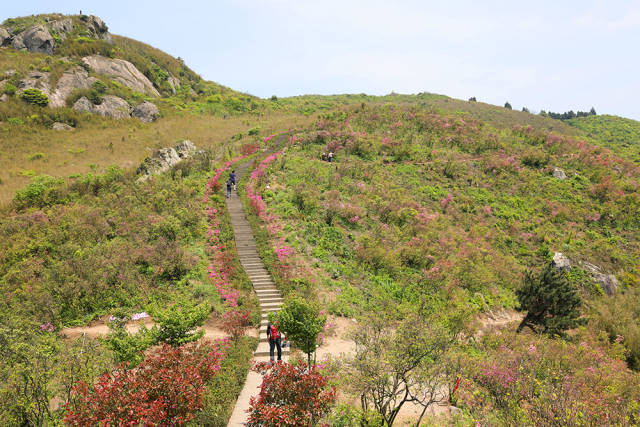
[619, 134]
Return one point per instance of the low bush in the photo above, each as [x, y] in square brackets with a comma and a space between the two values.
[35, 97]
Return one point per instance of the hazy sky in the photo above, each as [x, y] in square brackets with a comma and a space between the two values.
[552, 55]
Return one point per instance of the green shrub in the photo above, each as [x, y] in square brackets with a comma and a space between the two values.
[10, 89]
[35, 97]
[44, 190]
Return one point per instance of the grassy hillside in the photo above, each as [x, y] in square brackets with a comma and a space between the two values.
[433, 210]
[617, 133]
[437, 215]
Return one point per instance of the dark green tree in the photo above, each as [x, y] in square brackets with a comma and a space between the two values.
[592, 111]
[472, 99]
[507, 105]
[550, 302]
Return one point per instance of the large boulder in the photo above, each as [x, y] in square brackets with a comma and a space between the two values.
[146, 112]
[122, 71]
[561, 262]
[83, 104]
[4, 97]
[36, 39]
[113, 106]
[62, 27]
[36, 80]
[5, 37]
[75, 78]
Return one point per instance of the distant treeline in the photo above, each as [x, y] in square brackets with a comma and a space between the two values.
[568, 114]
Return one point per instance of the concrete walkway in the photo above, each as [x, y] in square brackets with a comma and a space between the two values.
[269, 296]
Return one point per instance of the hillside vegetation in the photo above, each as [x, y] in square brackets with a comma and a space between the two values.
[432, 215]
[439, 216]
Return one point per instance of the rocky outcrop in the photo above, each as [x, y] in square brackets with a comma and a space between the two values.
[4, 97]
[61, 126]
[561, 262]
[36, 80]
[186, 149]
[111, 106]
[5, 37]
[559, 173]
[75, 78]
[165, 158]
[62, 27]
[607, 282]
[146, 112]
[97, 28]
[174, 83]
[122, 71]
[36, 39]
[115, 107]
[83, 104]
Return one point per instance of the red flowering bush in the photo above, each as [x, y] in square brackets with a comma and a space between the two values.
[290, 395]
[235, 323]
[166, 389]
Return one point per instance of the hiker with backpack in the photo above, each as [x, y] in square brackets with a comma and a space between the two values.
[274, 339]
[229, 188]
[232, 178]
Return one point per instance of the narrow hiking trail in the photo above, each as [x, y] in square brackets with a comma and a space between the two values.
[268, 295]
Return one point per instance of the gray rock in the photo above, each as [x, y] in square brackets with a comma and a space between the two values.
[146, 112]
[561, 262]
[2, 83]
[75, 78]
[165, 158]
[607, 282]
[36, 39]
[161, 161]
[186, 149]
[112, 106]
[4, 97]
[61, 28]
[5, 37]
[559, 173]
[174, 83]
[36, 80]
[122, 71]
[61, 126]
[10, 72]
[83, 104]
[98, 28]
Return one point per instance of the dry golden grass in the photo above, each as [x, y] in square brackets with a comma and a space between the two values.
[26, 151]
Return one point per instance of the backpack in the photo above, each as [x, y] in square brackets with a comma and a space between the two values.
[275, 333]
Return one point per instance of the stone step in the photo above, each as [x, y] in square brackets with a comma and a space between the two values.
[268, 294]
[268, 305]
[271, 300]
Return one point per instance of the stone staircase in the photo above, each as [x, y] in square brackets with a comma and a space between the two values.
[268, 295]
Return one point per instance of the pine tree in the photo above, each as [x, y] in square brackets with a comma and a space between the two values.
[507, 105]
[550, 301]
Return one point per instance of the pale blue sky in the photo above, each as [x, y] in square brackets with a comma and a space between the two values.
[551, 55]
